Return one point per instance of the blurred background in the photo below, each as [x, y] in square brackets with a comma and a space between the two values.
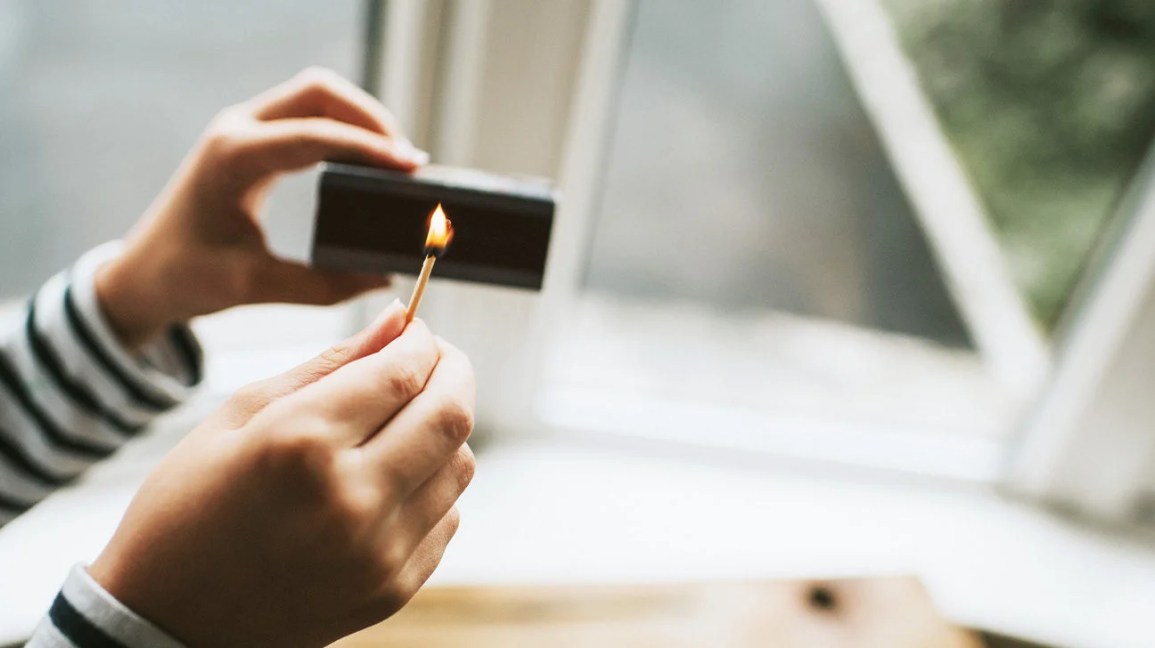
[837, 288]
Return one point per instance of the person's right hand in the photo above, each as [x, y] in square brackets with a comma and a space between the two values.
[309, 506]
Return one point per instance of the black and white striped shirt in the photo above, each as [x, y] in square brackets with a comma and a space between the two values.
[85, 616]
[71, 395]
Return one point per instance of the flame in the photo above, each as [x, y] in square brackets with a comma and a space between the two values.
[440, 231]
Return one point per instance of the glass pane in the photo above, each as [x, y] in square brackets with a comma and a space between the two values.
[745, 174]
[1050, 106]
[100, 101]
[754, 251]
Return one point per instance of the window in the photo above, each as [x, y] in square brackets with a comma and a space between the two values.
[1050, 107]
[753, 251]
[840, 230]
[102, 102]
[781, 234]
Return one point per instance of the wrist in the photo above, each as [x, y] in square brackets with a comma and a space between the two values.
[117, 583]
[195, 611]
[134, 309]
[84, 605]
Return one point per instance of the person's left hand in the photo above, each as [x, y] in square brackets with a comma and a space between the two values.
[200, 247]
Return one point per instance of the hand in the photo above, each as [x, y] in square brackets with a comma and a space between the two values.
[311, 505]
[200, 247]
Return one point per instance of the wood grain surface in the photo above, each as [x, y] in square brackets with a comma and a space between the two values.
[864, 613]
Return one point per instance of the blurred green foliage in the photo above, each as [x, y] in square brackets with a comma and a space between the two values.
[1050, 105]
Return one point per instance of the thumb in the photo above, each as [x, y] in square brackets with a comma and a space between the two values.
[256, 396]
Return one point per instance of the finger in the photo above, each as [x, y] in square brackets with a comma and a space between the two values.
[371, 339]
[413, 572]
[427, 556]
[425, 434]
[433, 499]
[358, 398]
[294, 144]
[296, 283]
[319, 92]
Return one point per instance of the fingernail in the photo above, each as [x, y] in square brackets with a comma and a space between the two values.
[412, 152]
[386, 312]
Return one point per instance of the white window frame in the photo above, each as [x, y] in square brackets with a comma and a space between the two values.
[1089, 445]
[441, 70]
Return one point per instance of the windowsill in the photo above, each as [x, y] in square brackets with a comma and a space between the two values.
[557, 511]
[783, 364]
[778, 385]
[560, 512]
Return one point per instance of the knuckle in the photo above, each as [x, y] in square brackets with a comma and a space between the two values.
[335, 356]
[347, 509]
[454, 419]
[393, 596]
[303, 446]
[248, 396]
[448, 348]
[351, 504]
[244, 403]
[452, 521]
[293, 451]
[226, 131]
[391, 561]
[466, 466]
[462, 363]
[404, 380]
[349, 514]
[226, 118]
[315, 76]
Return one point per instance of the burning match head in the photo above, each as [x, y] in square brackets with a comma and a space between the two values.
[440, 233]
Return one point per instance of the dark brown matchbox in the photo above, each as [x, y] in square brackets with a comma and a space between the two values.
[374, 220]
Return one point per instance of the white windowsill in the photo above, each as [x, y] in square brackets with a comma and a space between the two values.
[777, 385]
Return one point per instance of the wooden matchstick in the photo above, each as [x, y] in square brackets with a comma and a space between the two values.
[436, 239]
[419, 288]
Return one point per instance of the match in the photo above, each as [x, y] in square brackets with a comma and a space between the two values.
[436, 242]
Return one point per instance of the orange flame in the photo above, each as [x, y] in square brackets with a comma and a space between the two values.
[440, 232]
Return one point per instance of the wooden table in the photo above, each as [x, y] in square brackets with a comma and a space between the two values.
[877, 612]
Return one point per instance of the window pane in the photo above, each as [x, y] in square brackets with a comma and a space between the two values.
[745, 174]
[100, 101]
[754, 258]
[1050, 107]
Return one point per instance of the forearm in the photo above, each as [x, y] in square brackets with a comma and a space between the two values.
[135, 309]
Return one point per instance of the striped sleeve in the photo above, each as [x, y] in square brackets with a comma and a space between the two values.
[84, 615]
[70, 394]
